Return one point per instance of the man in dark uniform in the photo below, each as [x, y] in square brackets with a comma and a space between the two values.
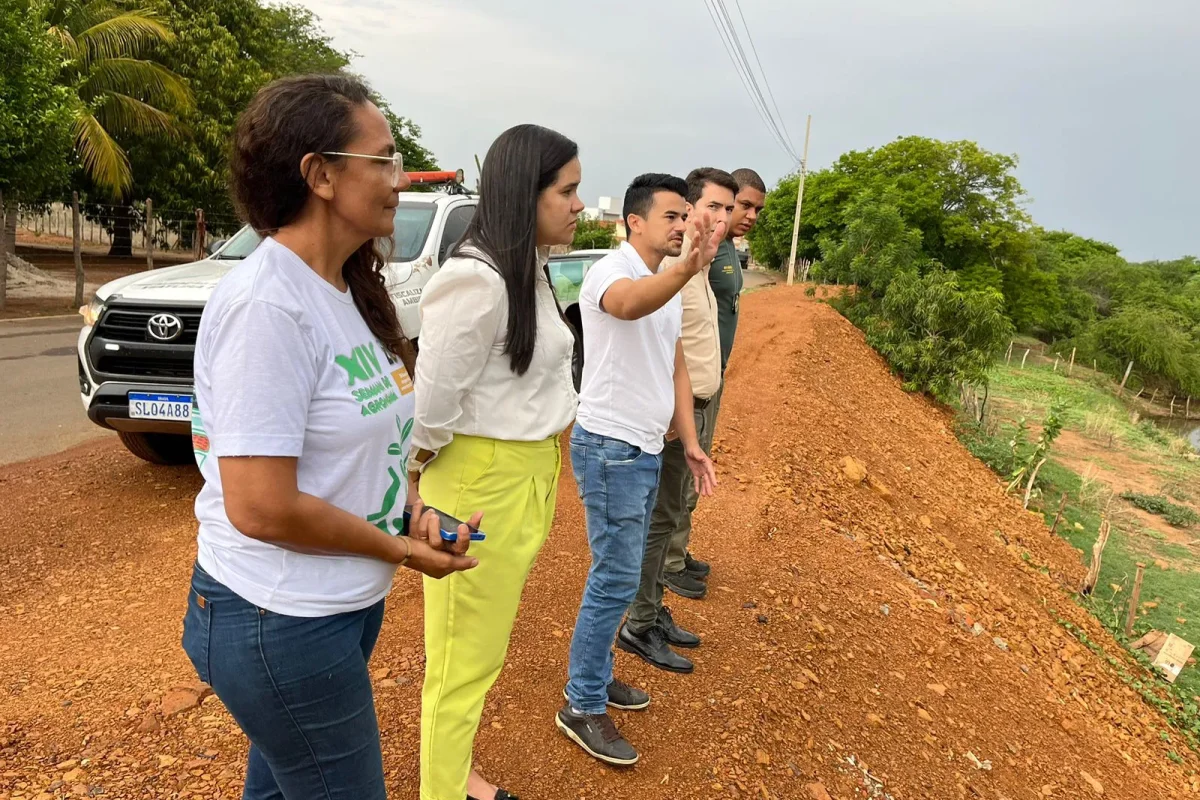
[683, 574]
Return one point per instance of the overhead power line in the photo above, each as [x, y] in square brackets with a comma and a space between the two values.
[732, 45]
[723, 10]
[787, 135]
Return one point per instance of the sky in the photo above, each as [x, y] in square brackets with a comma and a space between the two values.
[1097, 98]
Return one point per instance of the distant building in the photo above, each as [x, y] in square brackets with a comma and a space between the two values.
[608, 209]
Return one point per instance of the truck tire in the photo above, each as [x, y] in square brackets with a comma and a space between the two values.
[164, 449]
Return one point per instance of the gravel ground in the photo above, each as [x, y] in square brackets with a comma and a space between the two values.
[882, 623]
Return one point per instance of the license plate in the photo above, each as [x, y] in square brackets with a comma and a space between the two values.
[173, 407]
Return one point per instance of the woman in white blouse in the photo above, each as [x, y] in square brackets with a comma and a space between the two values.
[494, 391]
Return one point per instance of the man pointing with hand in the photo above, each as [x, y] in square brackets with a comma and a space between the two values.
[635, 387]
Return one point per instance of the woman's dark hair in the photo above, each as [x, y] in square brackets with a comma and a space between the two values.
[288, 119]
[522, 162]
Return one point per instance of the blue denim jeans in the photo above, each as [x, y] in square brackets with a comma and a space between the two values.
[298, 687]
[618, 484]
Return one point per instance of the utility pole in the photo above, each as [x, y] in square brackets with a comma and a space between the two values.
[799, 203]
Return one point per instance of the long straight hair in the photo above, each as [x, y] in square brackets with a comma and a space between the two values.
[520, 164]
[285, 121]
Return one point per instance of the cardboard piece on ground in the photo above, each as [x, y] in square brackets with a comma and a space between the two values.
[1167, 652]
[1174, 654]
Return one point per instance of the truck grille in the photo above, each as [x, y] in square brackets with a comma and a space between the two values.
[156, 366]
[124, 324]
[121, 347]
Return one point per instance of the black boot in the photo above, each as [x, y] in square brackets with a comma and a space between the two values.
[651, 647]
[675, 634]
[685, 584]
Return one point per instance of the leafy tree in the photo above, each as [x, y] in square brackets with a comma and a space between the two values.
[875, 246]
[35, 120]
[592, 234]
[226, 50]
[937, 336]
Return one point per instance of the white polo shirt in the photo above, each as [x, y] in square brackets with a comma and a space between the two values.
[628, 389]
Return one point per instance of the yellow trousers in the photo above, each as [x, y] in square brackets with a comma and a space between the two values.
[469, 615]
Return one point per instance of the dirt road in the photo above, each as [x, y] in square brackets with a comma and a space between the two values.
[887, 626]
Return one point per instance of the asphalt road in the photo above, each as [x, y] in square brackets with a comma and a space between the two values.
[40, 411]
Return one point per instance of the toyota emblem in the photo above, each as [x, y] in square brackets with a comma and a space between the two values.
[164, 327]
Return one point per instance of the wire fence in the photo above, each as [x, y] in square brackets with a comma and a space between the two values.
[139, 228]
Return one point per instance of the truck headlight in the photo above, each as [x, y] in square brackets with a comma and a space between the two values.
[91, 312]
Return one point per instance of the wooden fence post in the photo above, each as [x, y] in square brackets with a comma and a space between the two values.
[1071, 367]
[1133, 599]
[1093, 573]
[1008, 355]
[77, 247]
[149, 235]
[1128, 369]
[1056, 363]
[1172, 413]
[1024, 357]
[1062, 505]
[200, 233]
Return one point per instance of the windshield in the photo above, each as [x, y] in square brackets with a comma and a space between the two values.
[413, 221]
[566, 276]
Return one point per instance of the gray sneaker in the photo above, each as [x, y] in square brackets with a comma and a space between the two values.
[597, 735]
[623, 696]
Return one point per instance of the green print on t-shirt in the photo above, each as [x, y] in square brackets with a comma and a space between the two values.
[399, 483]
[361, 366]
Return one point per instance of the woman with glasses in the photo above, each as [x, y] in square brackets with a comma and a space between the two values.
[494, 391]
[302, 423]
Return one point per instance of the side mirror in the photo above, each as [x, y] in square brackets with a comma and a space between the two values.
[216, 245]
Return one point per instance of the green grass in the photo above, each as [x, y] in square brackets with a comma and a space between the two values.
[1035, 388]
[1093, 411]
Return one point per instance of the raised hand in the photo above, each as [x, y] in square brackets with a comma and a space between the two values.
[430, 555]
[700, 230]
[704, 238]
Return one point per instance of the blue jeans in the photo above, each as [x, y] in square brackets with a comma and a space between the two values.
[618, 484]
[298, 687]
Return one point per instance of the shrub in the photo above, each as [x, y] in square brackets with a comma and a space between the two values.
[937, 336]
[1177, 515]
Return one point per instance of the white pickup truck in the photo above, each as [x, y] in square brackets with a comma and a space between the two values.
[139, 332]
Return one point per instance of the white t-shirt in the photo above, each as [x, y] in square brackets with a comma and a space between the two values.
[286, 366]
[628, 389]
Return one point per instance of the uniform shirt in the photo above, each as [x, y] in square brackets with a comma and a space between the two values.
[286, 366]
[701, 336]
[628, 390]
[465, 382]
[725, 276]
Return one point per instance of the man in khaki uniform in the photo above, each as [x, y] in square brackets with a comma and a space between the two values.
[649, 629]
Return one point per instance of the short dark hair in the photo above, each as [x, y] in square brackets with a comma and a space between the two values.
[639, 197]
[746, 177]
[697, 179]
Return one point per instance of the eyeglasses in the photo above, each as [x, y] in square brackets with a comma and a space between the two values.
[396, 159]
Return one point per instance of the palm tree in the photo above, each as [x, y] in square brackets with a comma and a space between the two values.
[120, 92]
